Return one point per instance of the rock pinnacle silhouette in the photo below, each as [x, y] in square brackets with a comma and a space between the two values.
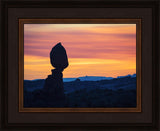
[53, 86]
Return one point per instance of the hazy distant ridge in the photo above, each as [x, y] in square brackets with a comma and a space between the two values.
[90, 78]
[94, 78]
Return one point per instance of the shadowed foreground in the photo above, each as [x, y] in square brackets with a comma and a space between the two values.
[118, 92]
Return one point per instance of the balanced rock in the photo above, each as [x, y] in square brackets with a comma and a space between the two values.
[58, 57]
[53, 87]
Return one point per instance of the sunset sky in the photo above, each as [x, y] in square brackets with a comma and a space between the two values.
[93, 49]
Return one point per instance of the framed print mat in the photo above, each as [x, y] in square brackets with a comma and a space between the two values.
[102, 72]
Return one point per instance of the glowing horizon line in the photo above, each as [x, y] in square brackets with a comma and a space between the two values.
[87, 76]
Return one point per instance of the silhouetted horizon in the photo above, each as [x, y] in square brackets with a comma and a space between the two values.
[134, 75]
[117, 92]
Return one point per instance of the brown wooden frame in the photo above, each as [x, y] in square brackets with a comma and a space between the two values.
[146, 10]
[79, 21]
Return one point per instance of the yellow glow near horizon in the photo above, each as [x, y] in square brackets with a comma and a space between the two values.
[89, 66]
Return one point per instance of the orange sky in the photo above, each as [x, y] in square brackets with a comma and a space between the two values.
[93, 49]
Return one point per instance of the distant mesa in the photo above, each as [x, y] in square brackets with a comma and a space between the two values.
[134, 75]
[95, 78]
[77, 80]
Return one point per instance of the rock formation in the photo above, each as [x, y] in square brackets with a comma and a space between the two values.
[53, 87]
[52, 94]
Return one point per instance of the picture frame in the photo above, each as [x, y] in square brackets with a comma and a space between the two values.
[79, 21]
[11, 118]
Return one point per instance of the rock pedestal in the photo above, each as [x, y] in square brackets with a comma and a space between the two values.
[54, 90]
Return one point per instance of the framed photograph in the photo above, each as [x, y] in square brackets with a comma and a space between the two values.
[102, 72]
[78, 65]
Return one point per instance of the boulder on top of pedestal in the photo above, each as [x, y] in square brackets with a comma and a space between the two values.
[58, 57]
